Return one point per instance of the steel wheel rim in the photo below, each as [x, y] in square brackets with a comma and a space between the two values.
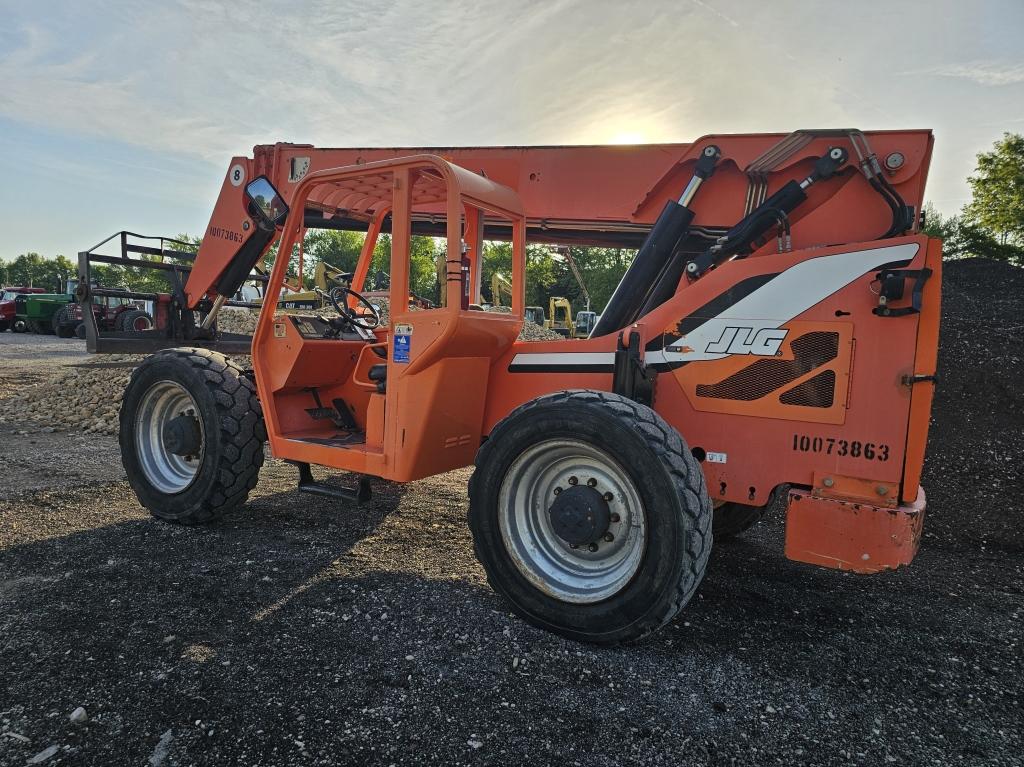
[166, 471]
[141, 323]
[574, 575]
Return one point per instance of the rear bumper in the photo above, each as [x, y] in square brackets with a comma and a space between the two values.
[848, 535]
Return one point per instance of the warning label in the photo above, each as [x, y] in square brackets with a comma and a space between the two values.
[402, 344]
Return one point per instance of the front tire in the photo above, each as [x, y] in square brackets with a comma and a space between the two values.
[191, 435]
[626, 545]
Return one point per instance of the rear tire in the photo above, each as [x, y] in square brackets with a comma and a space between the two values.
[223, 427]
[623, 451]
[39, 328]
[4, 324]
[80, 331]
[133, 321]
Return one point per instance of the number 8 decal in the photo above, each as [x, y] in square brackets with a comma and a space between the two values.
[237, 174]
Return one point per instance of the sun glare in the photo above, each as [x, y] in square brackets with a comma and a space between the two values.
[628, 137]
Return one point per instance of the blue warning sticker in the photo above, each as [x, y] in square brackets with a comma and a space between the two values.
[402, 344]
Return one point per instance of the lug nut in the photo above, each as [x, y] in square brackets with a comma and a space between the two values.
[573, 480]
[615, 517]
[609, 497]
[558, 490]
[609, 537]
[592, 482]
[573, 546]
[592, 547]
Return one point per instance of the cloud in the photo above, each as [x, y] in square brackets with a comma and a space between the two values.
[209, 79]
[992, 73]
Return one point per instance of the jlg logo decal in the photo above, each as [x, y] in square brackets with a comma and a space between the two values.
[743, 339]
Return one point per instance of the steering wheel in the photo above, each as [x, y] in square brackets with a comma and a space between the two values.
[339, 296]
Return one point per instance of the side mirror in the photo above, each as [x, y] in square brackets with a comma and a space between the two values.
[265, 202]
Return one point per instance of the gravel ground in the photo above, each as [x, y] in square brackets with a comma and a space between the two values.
[301, 631]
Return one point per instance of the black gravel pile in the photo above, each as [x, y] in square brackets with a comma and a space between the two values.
[973, 472]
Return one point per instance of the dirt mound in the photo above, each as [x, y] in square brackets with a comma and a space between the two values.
[976, 441]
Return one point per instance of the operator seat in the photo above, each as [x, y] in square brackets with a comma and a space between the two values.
[379, 374]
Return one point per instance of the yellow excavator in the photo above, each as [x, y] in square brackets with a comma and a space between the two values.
[499, 285]
[560, 316]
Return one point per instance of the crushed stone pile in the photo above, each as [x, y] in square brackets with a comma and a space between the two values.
[976, 439]
[86, 397]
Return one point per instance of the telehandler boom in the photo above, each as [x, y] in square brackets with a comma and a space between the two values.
[773, 341]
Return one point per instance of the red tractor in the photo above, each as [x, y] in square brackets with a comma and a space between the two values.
[7, 310]
[112, 312]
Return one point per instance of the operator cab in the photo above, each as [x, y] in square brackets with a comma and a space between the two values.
[405, 399]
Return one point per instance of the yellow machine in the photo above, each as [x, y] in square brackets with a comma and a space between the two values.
[560, 316]
[499, 285]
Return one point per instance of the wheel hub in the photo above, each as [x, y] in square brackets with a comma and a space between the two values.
[182, 436]
[580, 515]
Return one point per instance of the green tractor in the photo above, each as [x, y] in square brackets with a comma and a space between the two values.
[35, 312]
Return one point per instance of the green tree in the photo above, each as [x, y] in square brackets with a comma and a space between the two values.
[336, 247]
[35, 270]
[964, 238]
[541, 273]
[997, 188]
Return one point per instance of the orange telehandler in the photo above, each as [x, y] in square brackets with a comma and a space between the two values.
[774, 340]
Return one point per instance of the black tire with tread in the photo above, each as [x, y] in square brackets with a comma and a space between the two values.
[671, 486]
[234, 434]
[4, 324]
[126, 320]
[40, 328]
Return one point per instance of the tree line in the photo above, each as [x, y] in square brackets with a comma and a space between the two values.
[991, 225]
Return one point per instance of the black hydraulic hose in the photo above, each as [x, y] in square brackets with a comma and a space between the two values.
[896, 213]
[740, 239]
[907, 219]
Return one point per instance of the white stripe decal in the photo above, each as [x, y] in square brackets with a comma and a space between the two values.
[581, 359]
[780, 300]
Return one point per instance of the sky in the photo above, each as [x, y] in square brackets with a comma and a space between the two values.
[123, 115]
